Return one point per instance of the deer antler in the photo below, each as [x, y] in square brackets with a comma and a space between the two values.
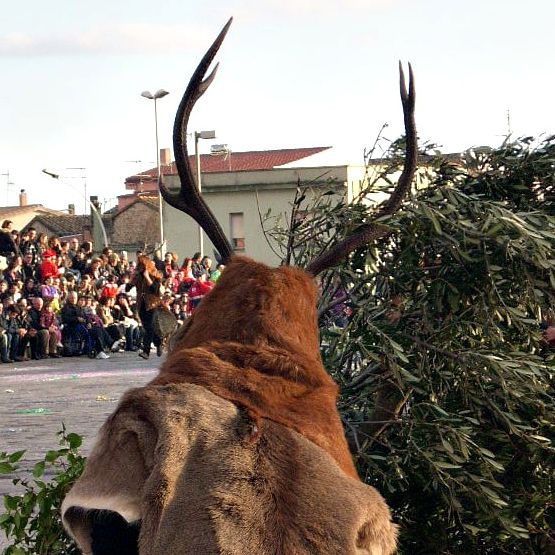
[372, 230]
[189, 200]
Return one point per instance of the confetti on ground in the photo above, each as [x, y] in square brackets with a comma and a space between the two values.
[39, 410]
[105, 398]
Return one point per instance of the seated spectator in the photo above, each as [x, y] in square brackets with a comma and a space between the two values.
[73, 247]
[104, 311]
[18, 337]
[14, 272]
[110, 289]
[86, 287]
[49, 292]
[29, 269]
[187, 268]
[15, 291]
[4, 337]
[125, 316]
[100, 337]
[197, 291]
[196, 265]
[4, 293]
[78, 264]
[30, 289]
[215, 275]
[48, 267]
[49, 321]
[96, 271]
[75, 335]
[29, 247]
[43, 341]
[8, 247]
[170, 265]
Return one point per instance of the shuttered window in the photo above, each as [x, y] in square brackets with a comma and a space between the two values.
[237, 226]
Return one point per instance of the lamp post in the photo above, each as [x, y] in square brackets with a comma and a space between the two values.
[201, 135]
[160, 93]
[95, 211]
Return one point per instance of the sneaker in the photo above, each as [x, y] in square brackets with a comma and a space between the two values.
[115, 346]
[102, 355]
[144, 355]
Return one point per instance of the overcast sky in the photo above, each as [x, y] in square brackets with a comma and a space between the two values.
[293, 73]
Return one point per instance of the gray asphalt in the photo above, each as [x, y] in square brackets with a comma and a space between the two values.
[37, 396]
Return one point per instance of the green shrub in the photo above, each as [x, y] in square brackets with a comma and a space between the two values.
[32, 521]
[447, 386]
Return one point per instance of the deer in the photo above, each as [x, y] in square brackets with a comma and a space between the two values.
[237, 446]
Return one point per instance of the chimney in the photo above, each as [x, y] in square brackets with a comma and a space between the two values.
[165, 157]
[22, 198]
[71, 209]
[94, 201]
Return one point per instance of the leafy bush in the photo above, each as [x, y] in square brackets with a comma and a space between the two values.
[32, 521]
[447, 384]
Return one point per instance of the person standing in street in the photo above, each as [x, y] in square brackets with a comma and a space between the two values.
[147, 280]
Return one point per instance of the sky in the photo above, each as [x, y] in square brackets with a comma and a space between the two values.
[293, 73]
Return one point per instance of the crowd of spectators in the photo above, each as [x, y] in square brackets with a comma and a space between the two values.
[61, 298]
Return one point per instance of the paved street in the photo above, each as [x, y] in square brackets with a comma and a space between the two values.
[37, 396]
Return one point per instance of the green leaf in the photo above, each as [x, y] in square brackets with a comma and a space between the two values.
[442, 464]
[38, 469]
[75, 441]
[6, 468]
[14, 457]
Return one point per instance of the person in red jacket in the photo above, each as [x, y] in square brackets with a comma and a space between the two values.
[200, 287]
[48, 267]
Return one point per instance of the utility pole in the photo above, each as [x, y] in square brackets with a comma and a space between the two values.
[8, 183]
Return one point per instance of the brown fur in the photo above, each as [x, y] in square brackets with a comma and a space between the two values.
[254, 341]
[177, 456]
[236, 447]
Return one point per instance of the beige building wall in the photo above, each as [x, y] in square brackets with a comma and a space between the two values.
[252, 194]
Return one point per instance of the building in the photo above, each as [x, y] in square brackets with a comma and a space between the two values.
[249, 192]
[22, 214]
[239, 188]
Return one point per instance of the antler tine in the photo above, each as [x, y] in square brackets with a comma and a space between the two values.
[189, 200]
[373, 230]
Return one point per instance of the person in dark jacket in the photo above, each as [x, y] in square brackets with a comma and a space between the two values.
[74, 321]
[43, 341]
[8, 248]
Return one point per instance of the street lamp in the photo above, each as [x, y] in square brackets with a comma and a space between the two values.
[160, 93]
[91, 204]
[201, 135]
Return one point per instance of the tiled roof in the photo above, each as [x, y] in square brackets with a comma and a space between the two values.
[238, 161]
[10, 211]
[63, 225]
[143, 198]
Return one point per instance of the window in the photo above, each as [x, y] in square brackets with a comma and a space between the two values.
[237, 225]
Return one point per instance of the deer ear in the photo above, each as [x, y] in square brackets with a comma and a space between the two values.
[113, 479]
